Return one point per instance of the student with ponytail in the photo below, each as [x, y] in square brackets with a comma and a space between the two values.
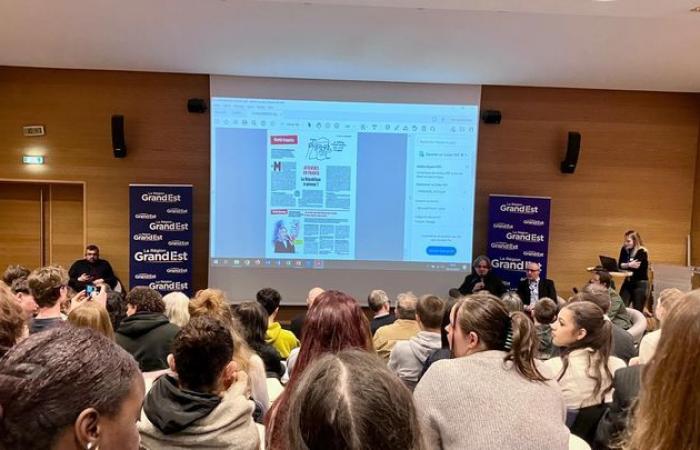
[585, 368]
[493, 394]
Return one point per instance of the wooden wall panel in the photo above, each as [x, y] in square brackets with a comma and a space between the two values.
[20, 224]
[166, 144]
[65, 223]
[636, 170]
[695, 226]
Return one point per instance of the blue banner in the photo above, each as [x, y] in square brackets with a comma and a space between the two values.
[161, 237]
[518, 234]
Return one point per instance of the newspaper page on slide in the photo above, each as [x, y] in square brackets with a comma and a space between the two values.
[311, 203]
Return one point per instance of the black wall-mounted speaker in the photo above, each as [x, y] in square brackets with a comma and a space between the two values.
[573, 148]
[491, 116]
[118, 142]
[196, 105]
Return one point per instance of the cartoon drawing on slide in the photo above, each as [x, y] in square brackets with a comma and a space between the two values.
[319, 149]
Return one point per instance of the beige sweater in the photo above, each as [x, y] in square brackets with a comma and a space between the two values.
[479, 402]
[387, 336]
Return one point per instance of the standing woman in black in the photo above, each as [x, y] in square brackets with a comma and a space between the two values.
[634, 258]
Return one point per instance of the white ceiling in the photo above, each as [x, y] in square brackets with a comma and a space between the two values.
[621, 44]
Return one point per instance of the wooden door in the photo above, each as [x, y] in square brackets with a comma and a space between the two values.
[65, 223]
[21, 222]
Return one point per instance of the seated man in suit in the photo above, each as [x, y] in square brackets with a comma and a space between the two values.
[532, 288]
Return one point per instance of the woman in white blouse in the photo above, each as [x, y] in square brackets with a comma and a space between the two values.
[585, 368]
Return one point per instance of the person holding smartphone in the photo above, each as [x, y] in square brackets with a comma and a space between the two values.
[634, 258]
[91, 270]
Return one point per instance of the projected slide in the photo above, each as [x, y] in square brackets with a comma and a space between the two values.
[342, 185]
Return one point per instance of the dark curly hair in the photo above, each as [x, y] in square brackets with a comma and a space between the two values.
[145, 299]
[48, 379]
[202, 349]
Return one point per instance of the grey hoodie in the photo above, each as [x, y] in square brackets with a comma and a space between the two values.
[174, 419]
[407, 357]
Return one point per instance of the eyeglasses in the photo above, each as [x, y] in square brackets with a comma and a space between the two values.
[532, 270]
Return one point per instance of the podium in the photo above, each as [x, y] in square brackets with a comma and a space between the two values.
[618, 277]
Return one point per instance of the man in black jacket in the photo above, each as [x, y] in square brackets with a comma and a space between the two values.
[146, 332]
[91, 269]
[482, 278]
[532, 288]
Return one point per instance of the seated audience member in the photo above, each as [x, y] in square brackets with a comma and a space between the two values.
[532, 288]
[254, 320]
[512, 301]
[283, 340]
[14, 272]
[618, 312]
[544, 313]
[585, 368]
[380, 306]
[444, 351]
[484, 397]
[213, 302]
[13, 323]
[329, 407]
[116, 308]
[622, 342]
[667, 414]
[335, 322]
[404, 328]
[647, 347]
[407, 357]
[611, 428]
[21, 291]
[146, 332]
[177, 307]
[297, 325]
[49, 287]
[69, 388]
[482, 278]
[204, 405]
[92, 315]
[91, 270]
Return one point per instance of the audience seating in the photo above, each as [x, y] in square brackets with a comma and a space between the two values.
[639, 325]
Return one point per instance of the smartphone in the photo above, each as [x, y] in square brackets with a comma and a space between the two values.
[89, 289]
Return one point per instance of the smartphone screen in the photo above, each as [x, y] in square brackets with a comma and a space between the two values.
[89, 289]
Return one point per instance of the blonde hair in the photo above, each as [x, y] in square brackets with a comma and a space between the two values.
[177, 308]
[638, 242]
[667, 298]
[92, 315]
[213, 302]
[666, 416]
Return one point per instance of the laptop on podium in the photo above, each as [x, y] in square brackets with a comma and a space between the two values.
[609, 264]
